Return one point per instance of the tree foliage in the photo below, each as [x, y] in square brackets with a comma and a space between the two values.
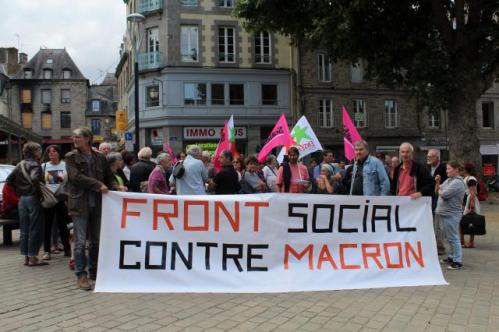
[445, 51]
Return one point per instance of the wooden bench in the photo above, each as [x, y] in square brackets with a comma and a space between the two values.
[8, 226]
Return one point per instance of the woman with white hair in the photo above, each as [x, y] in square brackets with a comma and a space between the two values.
[157, 181]
[270, 172]
[140, 171]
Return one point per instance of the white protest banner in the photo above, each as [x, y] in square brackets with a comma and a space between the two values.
[305, 138]
[264, 243]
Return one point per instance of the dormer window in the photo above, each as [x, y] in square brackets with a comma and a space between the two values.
[66, 73]
[28, 73]
[47, 74]
[49, 61]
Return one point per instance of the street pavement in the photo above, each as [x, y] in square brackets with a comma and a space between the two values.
[46, 299]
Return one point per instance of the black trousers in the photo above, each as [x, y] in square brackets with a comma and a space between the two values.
[60, 214]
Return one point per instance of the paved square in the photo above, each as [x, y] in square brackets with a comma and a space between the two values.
[46, 299]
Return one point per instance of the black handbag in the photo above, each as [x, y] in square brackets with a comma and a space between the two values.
[473, 224]
[178, 170]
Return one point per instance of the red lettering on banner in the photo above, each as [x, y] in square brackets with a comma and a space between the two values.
[389, 263]
[234, 221]
[373, 255]
[165, 215]
[256, 215]
[125, 212]
[325, 256]
[345, 266]
[309, 250]
[206, 220]
[419, 258]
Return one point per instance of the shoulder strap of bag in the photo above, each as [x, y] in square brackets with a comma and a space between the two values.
[25, 172]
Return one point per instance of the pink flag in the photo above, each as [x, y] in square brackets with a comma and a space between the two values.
[223, 144]
[350, 135]
[278, 137]
[168, 149]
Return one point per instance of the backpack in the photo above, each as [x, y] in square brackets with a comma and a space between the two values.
[483, 193]
[178, 170]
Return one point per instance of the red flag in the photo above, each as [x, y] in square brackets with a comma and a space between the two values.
[278, 137]
[223, 144]
[168, 149]
[350, 135]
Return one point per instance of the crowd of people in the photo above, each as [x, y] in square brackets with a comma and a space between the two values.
[79, 179]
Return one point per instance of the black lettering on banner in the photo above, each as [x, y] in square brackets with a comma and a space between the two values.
[252, 256]
[397, 223]
[329, 229]
[236, 257]
[304, 216]
[161, 266]
[207, 246]
[176, 250]
[386, 217]
[124, 266]
[364, 220]
[340, 221]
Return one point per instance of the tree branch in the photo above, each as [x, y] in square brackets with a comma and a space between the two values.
[442, 23]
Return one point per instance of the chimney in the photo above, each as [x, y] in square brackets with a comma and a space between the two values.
[23, 58]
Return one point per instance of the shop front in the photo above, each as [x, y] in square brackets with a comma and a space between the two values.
[207, 138]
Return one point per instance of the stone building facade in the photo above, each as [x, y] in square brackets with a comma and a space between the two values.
[49, 96]
[198, 66]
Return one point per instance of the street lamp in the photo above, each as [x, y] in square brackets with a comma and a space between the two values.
[134, 21]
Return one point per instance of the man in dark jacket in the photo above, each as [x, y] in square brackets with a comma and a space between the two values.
[140, 171]
[89, 176]
[436, 168]
[411, 178]
[225, 182]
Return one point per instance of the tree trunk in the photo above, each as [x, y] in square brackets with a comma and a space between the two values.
[462, 130]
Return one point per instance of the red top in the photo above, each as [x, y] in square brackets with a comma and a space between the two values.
[9, 199]
[299, 178]
[407, 183]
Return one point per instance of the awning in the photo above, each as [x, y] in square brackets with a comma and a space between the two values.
[487, 150]
[10, 127]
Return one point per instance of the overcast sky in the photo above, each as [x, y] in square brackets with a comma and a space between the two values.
[90, 30]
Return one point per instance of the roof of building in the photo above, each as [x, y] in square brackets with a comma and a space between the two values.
[55, 59]
[109, 80]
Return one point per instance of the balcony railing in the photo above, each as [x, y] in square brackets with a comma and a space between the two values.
[149, 61]
[150, 6]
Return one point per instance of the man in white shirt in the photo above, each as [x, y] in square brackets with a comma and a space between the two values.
[192, 182]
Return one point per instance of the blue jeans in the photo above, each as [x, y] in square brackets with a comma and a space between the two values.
[451, 229]
[82, 225]
[30, 224]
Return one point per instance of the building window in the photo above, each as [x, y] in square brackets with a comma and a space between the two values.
[28, 73]
[65, 120]
[357, 72]
[152, 96]
[326, 113]
[434, 119]
[153, 40]
[95, 105]
[66, 74]
[263, 48]
[46, 120]
[27, 120]
[218, 94]
[226, 48]
[96, 126]
[488, 114]
[46, 96]
[65, 96]
[225, 3]
[47, 74]
[359, 113]
[189, 43]
[324, 68]
[26, 96]
[194, 93]
[391, 114]
[189, 3]
[269, 94]
[236, 94]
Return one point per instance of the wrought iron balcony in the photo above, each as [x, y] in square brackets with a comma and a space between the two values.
[149, 61]
[150, 6]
